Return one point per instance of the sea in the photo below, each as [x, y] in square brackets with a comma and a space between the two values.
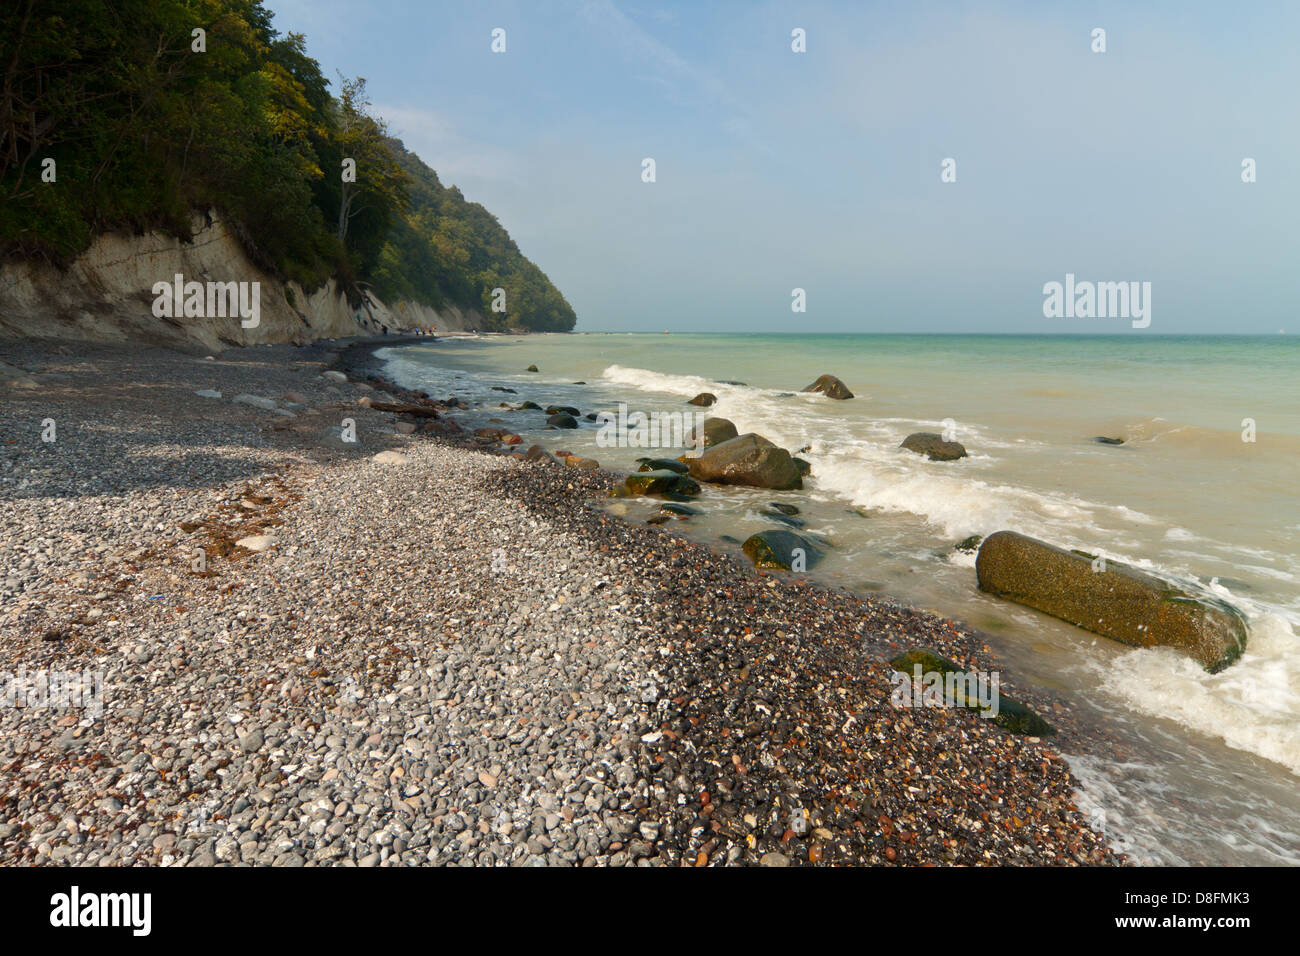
[1204, 488]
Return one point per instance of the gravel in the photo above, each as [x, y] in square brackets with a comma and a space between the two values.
[454, 658]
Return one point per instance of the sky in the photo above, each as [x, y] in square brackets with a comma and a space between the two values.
[821, 170]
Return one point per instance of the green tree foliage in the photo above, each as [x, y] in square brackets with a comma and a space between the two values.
[448, 250]
[144, 130]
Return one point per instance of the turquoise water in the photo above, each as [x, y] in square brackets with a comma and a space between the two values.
[1184, 496]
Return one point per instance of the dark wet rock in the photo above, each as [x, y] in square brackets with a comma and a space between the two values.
[662, 464]
[969, 545]
[531, 368]
[579, 383]
[677, 496]
[658, 519]
[530, 405]
[660, 482]
[716, 431]
[1111, 599]
[805, 469]
[590, 416]
[723, 381]
[502, 388]
[683, 511]
[1011, 715]
[782, 517]
[1103, 440]
[746, 460]
[784, 508]
[583, 464]
[830, 386]
[490, 434]
[785, 394]
[729, 539]
[562, 410]
[405, 408]
[562, 420]
[782, 550]
[704, 399]
[933, 446]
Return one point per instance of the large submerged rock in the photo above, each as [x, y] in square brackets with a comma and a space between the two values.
[830, 386]
[934, 446]
[746, 460]
[1111, 599]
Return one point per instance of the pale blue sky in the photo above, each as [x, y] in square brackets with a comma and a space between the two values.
[821, 170]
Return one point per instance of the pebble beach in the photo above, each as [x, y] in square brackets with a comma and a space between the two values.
[416, 649]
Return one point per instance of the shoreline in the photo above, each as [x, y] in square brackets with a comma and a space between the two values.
[706, 713]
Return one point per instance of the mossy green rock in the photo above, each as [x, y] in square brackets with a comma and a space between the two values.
[663, 464]
[661, 481]
[1111, 599]
[777, 549]
[1012, 715]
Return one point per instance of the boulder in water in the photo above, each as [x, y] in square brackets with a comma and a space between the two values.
[704, 399]
[830, 386]
[1111, 599]
[934, 446]
[562, 420]
[746, 460]
[716, 431]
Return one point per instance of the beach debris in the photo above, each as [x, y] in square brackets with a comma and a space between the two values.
[830, 386]
[934, 446]
[405, 408]
[255, 400]
[1111, 599]
[746, 460]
